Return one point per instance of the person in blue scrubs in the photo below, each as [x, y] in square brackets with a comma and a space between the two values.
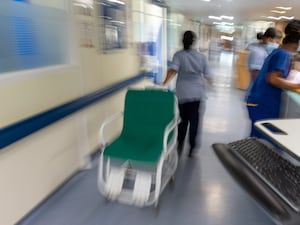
[271, 39]
[264, 98]
[192, 70]
[258, 53]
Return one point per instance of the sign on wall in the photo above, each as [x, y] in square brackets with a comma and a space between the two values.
[113, 24]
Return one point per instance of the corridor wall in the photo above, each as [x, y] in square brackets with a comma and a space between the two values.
[35, 166]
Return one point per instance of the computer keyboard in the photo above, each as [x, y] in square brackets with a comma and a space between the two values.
[277, 172]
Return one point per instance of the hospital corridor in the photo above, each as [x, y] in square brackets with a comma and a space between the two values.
[96, 96]
[203, 193]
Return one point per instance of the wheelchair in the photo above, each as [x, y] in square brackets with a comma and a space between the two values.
[135, 168]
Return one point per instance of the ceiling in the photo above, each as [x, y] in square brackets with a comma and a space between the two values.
[242, 10]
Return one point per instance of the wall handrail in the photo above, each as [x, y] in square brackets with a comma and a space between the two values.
[25, 127]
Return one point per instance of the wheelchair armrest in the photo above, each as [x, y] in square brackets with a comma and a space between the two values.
[107, 121]
[171, 126]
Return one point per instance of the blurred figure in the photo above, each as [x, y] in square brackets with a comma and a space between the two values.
[270, 40]
[259, 37]
[192, 69]
[264, 99]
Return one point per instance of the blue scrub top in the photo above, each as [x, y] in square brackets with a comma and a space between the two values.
[262, 92]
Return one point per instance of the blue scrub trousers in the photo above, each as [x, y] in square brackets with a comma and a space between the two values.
[261, 112]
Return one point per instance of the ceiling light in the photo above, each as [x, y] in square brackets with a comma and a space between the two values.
[215, 17]
[284, 8]
[227, 17]
[277, 11]
[206, 0]
[88, 2]
[117, 1]
[279, 18]
[223, 23]
[221, 17]
[117, 21]
[223, 37]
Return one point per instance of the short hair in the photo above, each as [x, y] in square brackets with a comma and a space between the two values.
[188, 39]
[292, 26]
[272, 32]
[291, 38]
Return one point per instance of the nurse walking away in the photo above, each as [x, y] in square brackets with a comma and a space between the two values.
[192, 70]
[264, 99]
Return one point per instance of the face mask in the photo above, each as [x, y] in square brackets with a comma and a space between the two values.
[271, 46]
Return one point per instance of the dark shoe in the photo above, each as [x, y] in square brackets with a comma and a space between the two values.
[190, 153]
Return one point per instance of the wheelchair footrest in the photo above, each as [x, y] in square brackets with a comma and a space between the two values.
[142, 188]
[115, 182]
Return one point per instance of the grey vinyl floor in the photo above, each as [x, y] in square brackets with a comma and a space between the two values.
[203, 193]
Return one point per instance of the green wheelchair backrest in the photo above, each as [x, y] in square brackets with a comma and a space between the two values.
[147, 113]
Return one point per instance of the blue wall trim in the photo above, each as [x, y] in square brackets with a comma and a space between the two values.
[21, 129]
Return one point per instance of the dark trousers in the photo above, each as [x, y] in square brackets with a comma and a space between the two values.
[189, 113]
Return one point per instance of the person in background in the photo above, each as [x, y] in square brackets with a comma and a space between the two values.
[270, 40]
[259, 37]
[264, 99]
[192, 70]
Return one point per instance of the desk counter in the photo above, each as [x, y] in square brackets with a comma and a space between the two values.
[291, 104]
[289, 140]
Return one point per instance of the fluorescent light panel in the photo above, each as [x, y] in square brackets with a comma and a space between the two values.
[283, 8]
[223, 23]
[117, 1]
[277, 11]
[279, 17]
[227, 38]
[215, 17]
[221, 17]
